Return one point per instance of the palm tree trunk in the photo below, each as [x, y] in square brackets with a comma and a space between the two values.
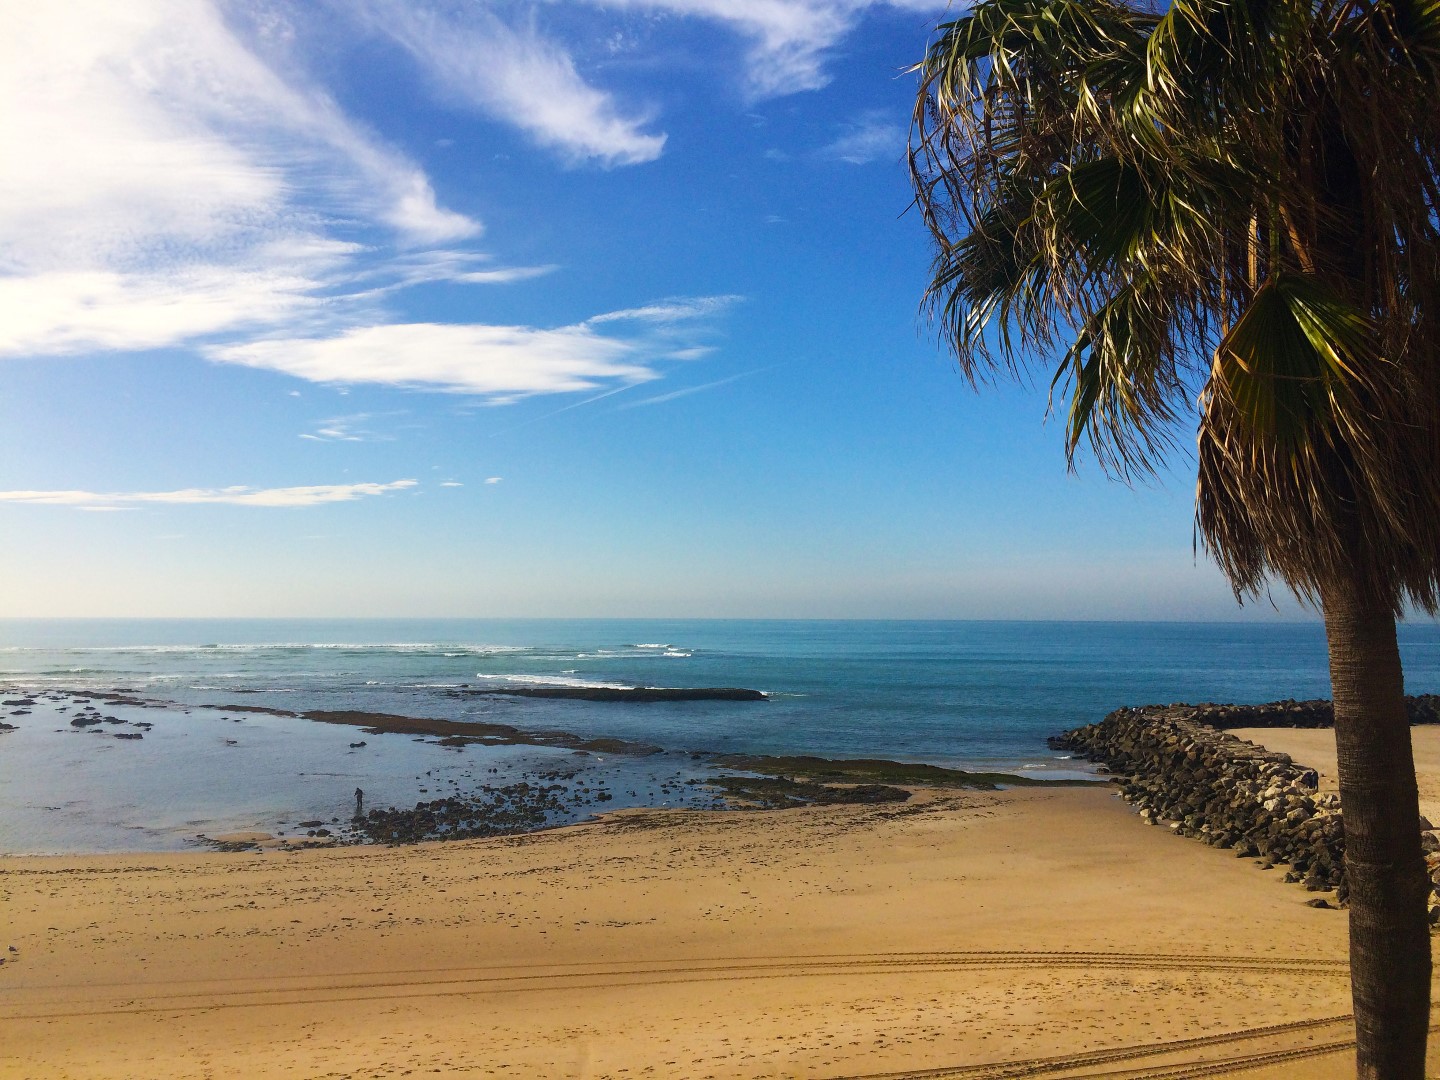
[1389, 928]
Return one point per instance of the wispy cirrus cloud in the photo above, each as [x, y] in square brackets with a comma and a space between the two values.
[679, 309]
[314, 495]
[872, 136]
[164, 181]
[200, 178]
[452, 267]
[501, 363]
[175, 177]
[152, 126]
[351, 428]
[788, 42]
[494, 59]
[512, 72]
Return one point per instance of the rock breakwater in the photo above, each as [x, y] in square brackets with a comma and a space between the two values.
[1314, 713]
[1181, 772]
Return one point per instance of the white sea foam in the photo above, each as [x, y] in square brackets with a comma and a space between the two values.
[553, 680]
[285, 646]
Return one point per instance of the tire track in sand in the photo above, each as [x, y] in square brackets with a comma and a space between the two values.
[1068, 1065]
[139, 998]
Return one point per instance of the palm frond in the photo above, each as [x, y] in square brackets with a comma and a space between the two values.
[1295, 361]
[1239, 197]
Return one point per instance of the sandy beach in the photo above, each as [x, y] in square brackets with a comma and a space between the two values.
[1039, 932]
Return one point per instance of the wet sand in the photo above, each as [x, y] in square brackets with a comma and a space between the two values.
[981, 934]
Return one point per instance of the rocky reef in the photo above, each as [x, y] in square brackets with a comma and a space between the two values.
[879, 771]
[638, 694]
[492, 811]
[782, 792]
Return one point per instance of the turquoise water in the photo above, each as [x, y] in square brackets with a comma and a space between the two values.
[973, 694]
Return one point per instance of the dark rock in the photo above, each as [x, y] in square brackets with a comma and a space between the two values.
[496, 811]
[638, 694]
[1315, 713]
[774, 793]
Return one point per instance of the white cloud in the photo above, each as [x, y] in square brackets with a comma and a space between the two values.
[69, 311]
[233, 496]
[150, 123]
[162, 181]
[669, 311]
[345, 429]
[521, 78]
[453, 267]
[503, 363]
[451, 483]
[493, 479]
[873, 136]
[172, 176]
[789, 40]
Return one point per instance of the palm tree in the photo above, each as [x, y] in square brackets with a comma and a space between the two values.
[1225, 212]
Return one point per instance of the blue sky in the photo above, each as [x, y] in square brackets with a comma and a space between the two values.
[568, 308]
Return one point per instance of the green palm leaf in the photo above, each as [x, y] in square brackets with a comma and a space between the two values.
[1294, 361]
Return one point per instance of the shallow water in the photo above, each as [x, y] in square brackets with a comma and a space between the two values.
[973, 695]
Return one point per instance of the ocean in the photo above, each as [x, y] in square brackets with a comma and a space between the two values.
[975, 695]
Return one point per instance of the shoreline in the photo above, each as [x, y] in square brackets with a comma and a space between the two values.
[1040, 930]
[1038, 923]
[249, 773]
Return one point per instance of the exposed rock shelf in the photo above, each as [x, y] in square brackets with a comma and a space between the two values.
[642, 694]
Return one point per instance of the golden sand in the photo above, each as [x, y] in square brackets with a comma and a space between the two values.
[1047, 932]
